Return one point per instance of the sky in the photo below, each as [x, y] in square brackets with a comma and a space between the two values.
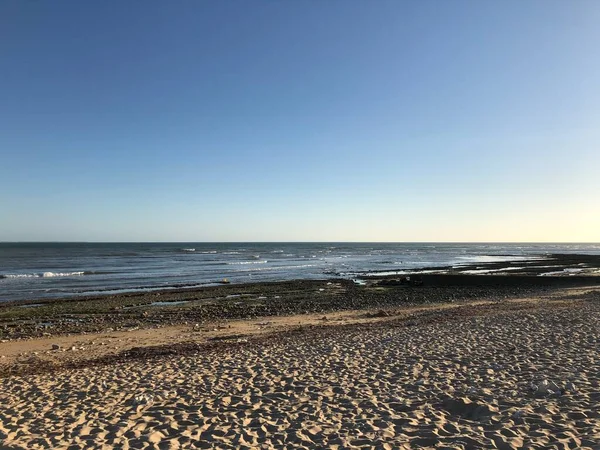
[266, 120]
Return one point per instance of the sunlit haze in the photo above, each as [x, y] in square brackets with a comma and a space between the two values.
[300, 121]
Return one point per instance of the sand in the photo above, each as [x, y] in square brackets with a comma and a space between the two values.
[502, 375]
[35, 354]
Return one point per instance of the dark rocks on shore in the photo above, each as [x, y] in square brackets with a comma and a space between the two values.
[277, 299]
[402, 281]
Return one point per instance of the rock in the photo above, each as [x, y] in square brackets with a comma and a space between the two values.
[55, 347]
[543, 387]
[546, 387]
[517, 414]
[467, 409]
[143, 399]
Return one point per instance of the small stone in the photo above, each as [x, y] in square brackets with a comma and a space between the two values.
[55, 347]
[143, 399]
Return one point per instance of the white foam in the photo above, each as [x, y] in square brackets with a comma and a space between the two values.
[61, 274]
[299, 266]
[20, 275]
[401, 272]
[483, 271]
[562, 272]
[247, 262]
[493, 258]
[42, 275]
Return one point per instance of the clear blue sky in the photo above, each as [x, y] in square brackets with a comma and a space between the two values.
[300, 120]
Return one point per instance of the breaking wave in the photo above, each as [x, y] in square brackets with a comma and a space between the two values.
[46, 274]
[243, 263]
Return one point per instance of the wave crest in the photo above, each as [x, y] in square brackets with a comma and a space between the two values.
[45, 274]
[243, 263]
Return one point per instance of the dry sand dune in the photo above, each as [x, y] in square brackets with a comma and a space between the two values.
[473, 377]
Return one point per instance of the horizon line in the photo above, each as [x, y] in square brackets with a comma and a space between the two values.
[297, 242]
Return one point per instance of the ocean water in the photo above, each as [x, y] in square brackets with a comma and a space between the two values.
[47, 270]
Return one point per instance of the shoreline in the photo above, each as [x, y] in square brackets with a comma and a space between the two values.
[59, 334]
[556, 265]
[36, 318]
[550, 264]
[535, 264]
[44, 317]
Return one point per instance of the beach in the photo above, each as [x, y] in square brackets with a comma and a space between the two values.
[468, 364]
[300, 225]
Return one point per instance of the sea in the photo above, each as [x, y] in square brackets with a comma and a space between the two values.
[52, 270]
